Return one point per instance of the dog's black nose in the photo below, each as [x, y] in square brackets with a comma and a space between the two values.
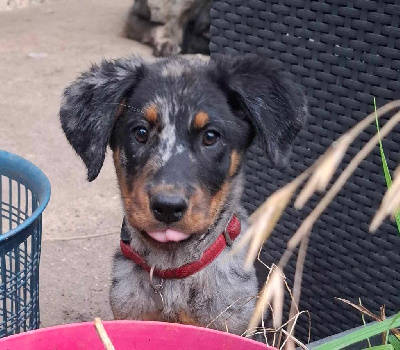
[168, 208]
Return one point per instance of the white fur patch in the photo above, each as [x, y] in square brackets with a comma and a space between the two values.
[173, 69]
[179, 149]
[168, 134]
[164, 105]
[167, 141]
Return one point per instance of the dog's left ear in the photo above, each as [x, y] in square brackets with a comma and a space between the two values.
[91, 104]
[275, 106]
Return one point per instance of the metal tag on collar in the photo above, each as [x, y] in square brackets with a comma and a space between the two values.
[226, 233]
[157, 297]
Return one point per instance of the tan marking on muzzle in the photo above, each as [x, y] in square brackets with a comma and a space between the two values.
[136, 201]
[201, 212]
[219, 199]
[200, 120]
[196, 217]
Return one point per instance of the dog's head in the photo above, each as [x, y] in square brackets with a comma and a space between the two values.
[179, 131]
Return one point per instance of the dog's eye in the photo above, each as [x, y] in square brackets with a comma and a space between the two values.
[141, 134]
[210, 137]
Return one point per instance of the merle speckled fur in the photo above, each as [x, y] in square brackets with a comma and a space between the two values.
[241, 97]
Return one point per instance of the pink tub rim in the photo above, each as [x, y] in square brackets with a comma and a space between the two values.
[52, 334]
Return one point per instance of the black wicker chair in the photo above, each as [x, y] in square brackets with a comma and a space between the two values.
[344, 53]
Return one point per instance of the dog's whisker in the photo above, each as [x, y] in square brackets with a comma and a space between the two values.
[124, 105]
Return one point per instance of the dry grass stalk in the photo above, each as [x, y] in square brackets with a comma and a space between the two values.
[298, 277]
[237, 308]
[103, 334]
[289, 341]
[363, 124]
[308, 223]
[261, 330]
[365, 311]
[290, 345]
[276, 332]
[324, 170]
[293, 321]
[361, 308]
[270, 287]
[264, 333]
[390, 203]
[383, 316]
[267, 294]
[263, 221]
[223, 312]
[277, 302]
[294, 312]
[327, 164]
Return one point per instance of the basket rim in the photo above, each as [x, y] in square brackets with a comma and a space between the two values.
[22, 169]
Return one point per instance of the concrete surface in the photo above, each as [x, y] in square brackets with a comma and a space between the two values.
[42, 49]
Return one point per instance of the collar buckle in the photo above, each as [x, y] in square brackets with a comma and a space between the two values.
[156, 287]
[158, 298]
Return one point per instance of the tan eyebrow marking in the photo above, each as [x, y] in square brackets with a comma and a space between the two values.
[200, 120]
[151, 113]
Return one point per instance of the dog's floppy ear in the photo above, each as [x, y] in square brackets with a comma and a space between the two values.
[90, 106]
[275, 106]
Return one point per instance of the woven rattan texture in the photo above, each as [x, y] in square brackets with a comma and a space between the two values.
[343, 53]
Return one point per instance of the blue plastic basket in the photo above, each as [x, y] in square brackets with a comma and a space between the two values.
[24, 194]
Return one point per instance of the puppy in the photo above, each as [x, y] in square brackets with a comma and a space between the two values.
[179, 130]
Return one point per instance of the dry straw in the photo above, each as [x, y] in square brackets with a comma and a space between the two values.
[390, 203]
[273, 297]
[103, 334]
[263, 220]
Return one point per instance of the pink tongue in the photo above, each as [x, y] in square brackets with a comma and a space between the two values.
[168, 236]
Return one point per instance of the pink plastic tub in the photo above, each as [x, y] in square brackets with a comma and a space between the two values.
[127, 335]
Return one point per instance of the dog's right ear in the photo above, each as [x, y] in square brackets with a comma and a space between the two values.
[91, 104]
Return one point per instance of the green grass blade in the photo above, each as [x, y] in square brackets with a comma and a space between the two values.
[394, 342]
[364, 323]
[361, 334]
[386, 171]
[381, 347]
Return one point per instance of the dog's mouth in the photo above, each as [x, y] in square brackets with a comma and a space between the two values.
[168, 235]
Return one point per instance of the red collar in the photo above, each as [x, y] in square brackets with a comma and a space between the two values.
[232, 230]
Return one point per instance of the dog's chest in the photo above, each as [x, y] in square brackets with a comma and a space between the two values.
[172, 299]
[198, 299]
[134, 296]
